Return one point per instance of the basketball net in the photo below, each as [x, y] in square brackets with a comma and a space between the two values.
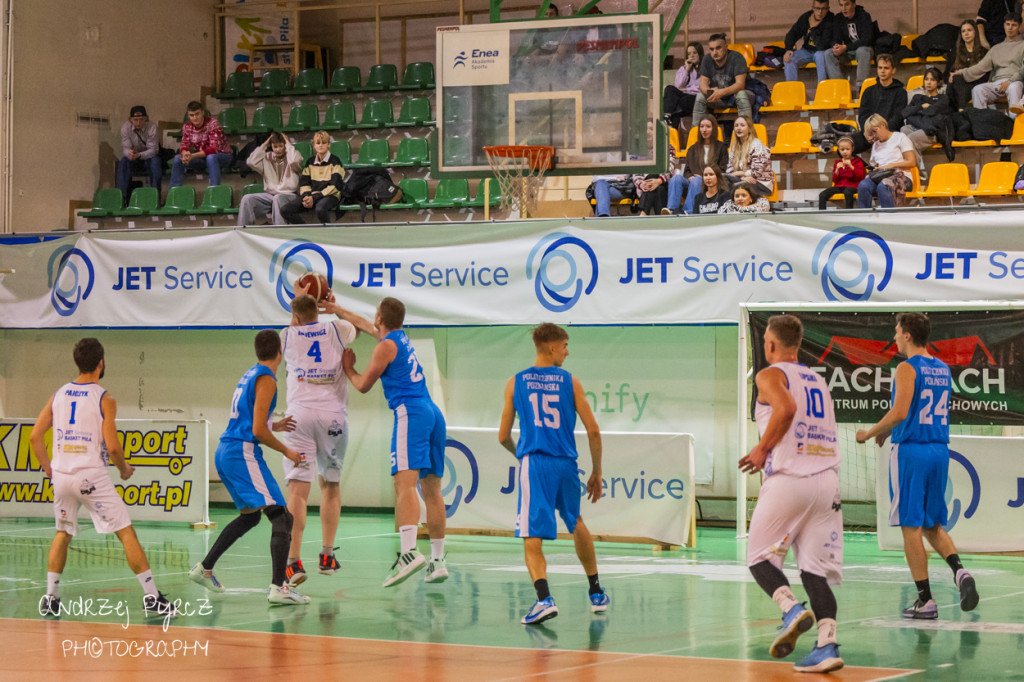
[520, 171]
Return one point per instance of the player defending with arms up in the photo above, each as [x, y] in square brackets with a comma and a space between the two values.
[245, 474]
[317, 400]
[547, 399]
[83, 415]
[417, 441]
[919, 462]
[799, 504]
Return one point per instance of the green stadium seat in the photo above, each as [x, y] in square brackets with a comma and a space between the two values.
[415, 112]
[343, 150]
[302, 117]
[232, 120]
[373, 154]
[340, 115]
[266, 118]
[305, 149]
[254, 188]
[238, 84]
[106, 202]
[412, 151]
[180, 200]
[308, 82]
[478, 200]
[377, 113]
[414, 193]
[346, 79]
[143, 200]
[273, 84]
[382, 77]
[450, 192]
[216, 199]
[418, 75]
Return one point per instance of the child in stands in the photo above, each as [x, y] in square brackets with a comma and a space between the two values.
[847, 172]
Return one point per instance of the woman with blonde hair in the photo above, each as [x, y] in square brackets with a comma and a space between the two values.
[890, 151]
[749, 159]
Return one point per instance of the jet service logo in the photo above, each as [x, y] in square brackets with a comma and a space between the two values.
[71, 276]
[853, 262]
[563, 268]
[308, 256]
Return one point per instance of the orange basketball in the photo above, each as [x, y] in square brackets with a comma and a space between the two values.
[317, 283]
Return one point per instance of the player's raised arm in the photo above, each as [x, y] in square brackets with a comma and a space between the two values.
[358, 321]
[38, 438]
[383, 353]
[905, 378]
[594, 485]
[266, 388]
[771, 389]
[508, 418]
[114, 449]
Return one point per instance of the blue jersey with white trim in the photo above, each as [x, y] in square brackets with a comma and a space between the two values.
[242, 403]
[928, 418]
[403, 378]
[543, 398]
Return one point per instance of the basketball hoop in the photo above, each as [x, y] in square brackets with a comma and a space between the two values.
[520, 172]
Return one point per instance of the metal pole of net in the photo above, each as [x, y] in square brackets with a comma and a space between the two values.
[520, 171]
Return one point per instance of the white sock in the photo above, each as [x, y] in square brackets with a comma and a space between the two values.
[52, 583]
[436, 549]
[826, 631]
[146, 580]
[785, 598]
[408, 537]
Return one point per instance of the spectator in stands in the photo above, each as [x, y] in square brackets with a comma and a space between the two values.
[707, 150]
[928, 117]
[714, 191]
[141, 151]
[680, 97]
[1003, 63]
[815, 29]
[203, 146]
[280, 165]
[847, 172]
[651, 192]
[971, 47]
[889, 150]
[745, 199]
[723, 77]
[609, 188]
[991, 18]
[749, 159]
[887, 97]
[852, 37]
[319, 184]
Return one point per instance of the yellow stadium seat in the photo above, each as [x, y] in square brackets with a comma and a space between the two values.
[915, 191]
[996, 179]
[868, 82]
[794, 138]
[787, 96]
[762, 133]
[673, 140]
[1018, 132]
[833, 93]
[774, 196]
[948, 180]
[849, 122]
[745, 49]
[691, 137]
[907, 42]
[915, 82]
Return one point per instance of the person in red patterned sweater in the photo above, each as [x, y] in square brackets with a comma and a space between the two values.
[203, 146]
[847, 172]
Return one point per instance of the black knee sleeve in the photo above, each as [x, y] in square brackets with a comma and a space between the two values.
[823, 600]
[768, 577]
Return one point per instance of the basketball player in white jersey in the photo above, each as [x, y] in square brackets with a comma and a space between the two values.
[82, 415]
[799, 503]
[317, 400]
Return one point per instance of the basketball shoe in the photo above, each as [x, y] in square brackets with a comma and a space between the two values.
[198, 576]
[795, 622]
[285, 595]
[968, 591]
[328, 564]
[599, 601]
[928, 610]
[405, 565]
[542, 610]
[159, 605]
[294, 573]
[823, 659]
[437, 571]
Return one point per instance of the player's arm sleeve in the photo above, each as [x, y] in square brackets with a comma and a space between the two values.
[589, 423]
[508, 417]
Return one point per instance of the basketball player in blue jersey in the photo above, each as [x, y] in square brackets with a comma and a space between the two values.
[919, 462]
[547, 398]
[417, 441]
[799, 503]
[83, 416]
[244, 473]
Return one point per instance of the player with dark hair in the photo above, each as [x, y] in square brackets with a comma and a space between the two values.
[799, 504]
[919, 462]
[417, 441]
[318, 401]
[547, 399]
[244, 473]
[83, 416]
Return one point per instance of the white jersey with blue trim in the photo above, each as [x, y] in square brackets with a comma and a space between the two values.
[810, 445]
[312, 353]
[78, 428]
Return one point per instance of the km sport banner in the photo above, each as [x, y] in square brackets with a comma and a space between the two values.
[857, 356]
[654, 271]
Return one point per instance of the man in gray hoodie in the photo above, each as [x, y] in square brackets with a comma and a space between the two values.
[1005, 63]
[280, 165]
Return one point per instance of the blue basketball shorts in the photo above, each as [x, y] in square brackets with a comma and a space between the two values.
[418, 437]
[241, 468]
[917, 484]
[547, 484]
